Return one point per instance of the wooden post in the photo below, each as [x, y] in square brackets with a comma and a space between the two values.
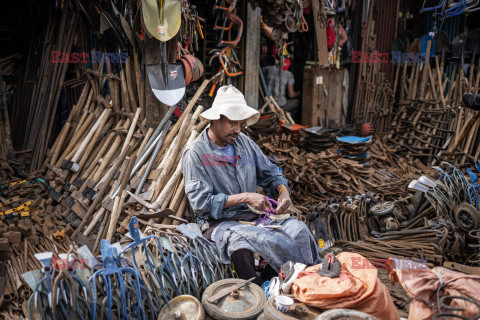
[252, 58]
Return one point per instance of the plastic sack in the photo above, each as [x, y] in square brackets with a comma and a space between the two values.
[356, 288]
[266, 288]
[287, 284]
[421, 285]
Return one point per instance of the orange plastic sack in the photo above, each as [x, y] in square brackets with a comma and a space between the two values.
[357, 288]
[421, 285]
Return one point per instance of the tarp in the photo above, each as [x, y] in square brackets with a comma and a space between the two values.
[356, 288]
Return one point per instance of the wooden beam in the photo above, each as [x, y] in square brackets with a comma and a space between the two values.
[252, 58]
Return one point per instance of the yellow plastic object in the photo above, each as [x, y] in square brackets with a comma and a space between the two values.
[11, 184]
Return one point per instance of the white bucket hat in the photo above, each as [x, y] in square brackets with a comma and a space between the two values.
[231, 103]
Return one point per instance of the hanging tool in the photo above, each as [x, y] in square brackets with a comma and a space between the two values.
[166, 79]
[162, 18]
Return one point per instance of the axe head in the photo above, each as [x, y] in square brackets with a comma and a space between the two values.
[70, 165]
[143, 199]
[145, 214]
[55, 195]
[70, 201]
[146, 196]
[68, 187]
[84, 241]
[108, 204]
[78, 182]
[89, 193]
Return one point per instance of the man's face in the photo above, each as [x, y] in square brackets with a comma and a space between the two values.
[228, 130]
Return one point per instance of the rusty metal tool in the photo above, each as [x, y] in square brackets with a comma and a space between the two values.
[227, 291]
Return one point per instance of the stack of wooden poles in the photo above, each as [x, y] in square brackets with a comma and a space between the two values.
[105, 165]
[36, 102]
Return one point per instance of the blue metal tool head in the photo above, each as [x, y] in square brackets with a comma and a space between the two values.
[473, 176]
[134, 230]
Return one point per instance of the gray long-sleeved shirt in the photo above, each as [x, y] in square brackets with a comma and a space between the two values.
[210, 178]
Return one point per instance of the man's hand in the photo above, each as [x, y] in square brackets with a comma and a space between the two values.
[258, 201]
[284, 202]
[255, 200]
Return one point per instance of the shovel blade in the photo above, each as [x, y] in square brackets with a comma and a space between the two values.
[166, 28]
[167, 82]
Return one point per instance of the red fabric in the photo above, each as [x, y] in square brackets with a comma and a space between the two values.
[422, 284]
[177, 112]
[356, 288]
[330, 34]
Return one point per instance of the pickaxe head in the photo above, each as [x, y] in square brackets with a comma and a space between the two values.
[70, 165]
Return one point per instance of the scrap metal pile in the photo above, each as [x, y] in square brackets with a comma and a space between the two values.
[375, 209]
[44, 273]
[439, 224]
[317, 177]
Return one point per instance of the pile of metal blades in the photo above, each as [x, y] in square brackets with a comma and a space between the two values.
[317, 139]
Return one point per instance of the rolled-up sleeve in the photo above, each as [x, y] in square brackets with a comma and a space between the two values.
[198, 188]
[269, 176]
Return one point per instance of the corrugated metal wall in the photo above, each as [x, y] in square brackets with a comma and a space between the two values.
[385, 17]
[387, 22]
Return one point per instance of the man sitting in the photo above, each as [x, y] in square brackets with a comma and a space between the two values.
[222, 169]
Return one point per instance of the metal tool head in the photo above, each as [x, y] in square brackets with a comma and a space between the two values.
[87, 257]
[442, 43]
[45, 258]
[427, 181]
[116, 280]
[70, 165]
[70, 201]
[415, 185]
[167, 82]
[78, 182]
[473, 176]
[162, 18]
[89, 193]
[32, 278]
[462, 47]
[111, 35]
[423, 46]
[133, 229]
[142, 199]
[148, 262]
[398, 45]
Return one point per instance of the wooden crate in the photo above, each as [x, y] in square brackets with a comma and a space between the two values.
[317, 108]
